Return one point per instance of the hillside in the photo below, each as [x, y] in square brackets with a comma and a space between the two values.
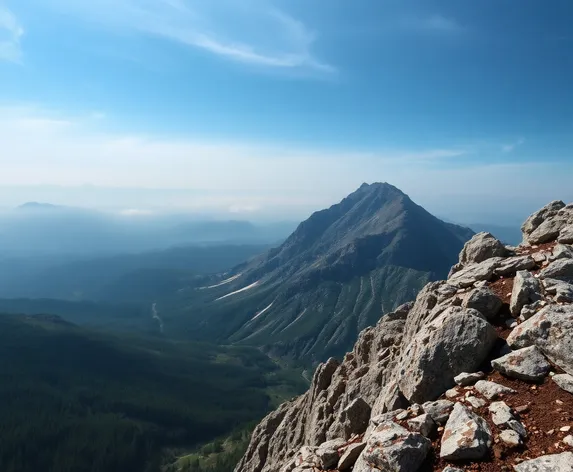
[476, 374]
[74, 400]
[334, 276]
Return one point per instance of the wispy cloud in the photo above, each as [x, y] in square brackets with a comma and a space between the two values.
[251, 32]
[433, 23]
[512, 146]
[11, 33]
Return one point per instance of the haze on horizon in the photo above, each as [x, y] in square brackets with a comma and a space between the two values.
[269, 110]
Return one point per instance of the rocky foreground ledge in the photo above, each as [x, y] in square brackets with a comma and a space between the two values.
[477, 374]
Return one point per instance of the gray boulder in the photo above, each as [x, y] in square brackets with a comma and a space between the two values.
[392, 447]
[525, 364]
[466, 436]
[481, 247]
[465, 379]
[548, 230]
[566, 235]
[550, 330]
[514, 264]
[452, 469]
[492, 390]
[485, 301]
[535, 220]
[565, 381]
[562, 291]
[526, 290]
[530, 310]
[350, 456]
[423, 424]
[355, 417]
[439, 410]
[473, 273]
[328, 453]
[552, 463]
[457, 341]
[561, 251]
[501, 413]
[560, 269]
[510, 438]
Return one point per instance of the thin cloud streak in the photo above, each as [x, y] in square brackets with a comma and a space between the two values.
[284, 42]
[512, 146]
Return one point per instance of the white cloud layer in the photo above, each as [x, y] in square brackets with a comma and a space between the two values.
[11, 33]
[252, 32]
[43, 149]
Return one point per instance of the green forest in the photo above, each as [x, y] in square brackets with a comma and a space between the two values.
[78, 400]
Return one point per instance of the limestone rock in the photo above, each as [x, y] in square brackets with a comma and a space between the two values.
[518, 427]
[560, 269]
[466, 435]
[355, 417]
[350, 456]
[565, 381]
[566, 235]
[492, 390]
[465, 378]
[501, 413]
[439, 410]
[530, 310]
[452, 469]
[485, 301]
[561, 290]
[552, 463]
[475, 401]
[550, 330]
[561, 251]
[513, 264]
[547, 231]
[525, 364]
[510, 438]
[328, 453]
[526, 290]
[392, 447]
[481, 247]
[423, 424]
[457, 341]
[473, 273]
[533, 222]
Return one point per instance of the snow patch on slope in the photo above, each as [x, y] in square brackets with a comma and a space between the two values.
[244, 289]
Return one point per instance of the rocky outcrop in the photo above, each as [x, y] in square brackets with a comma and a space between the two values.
[375, 410]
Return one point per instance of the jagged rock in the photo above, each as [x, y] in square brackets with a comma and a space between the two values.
[328, 453]
[510, 438]
[452, 469]
[465, 378]
[307, 458]
[525, 364]
[530, 310]
[514, 264]
[568, 440]
[355, 417]
[473, 273]
[350, 456]
[446, 291]
[485, 301]
[457, 341]
[392, 447]
[547, 231]
[562, 291]
[439, 410]
[518, 427]
[475, 401]
[550, 330]
[566, 235]
[466, 435]
[526, 290]
[535, 220]
[492, 390]
[423, 424]
[481, 247]
[561, 251]
[552, 463]
[501, 413]
[560, 269]
[564, 381]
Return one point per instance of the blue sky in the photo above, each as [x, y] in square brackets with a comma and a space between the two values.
[276, 108]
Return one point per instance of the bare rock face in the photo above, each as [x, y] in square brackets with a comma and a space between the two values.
[538, 218]
[560, 269]
[525, 364]
[485, 301]
[457, 341]
[526, 290]
[392, 447]
[481, 247]
[550, 330]
[466, 435]
[552, 463]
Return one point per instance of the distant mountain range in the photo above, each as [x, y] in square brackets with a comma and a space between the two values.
[335, 275]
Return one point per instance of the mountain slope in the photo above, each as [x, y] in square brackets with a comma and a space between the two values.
[331, 278]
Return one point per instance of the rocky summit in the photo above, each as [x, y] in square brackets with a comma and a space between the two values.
[476, 374]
